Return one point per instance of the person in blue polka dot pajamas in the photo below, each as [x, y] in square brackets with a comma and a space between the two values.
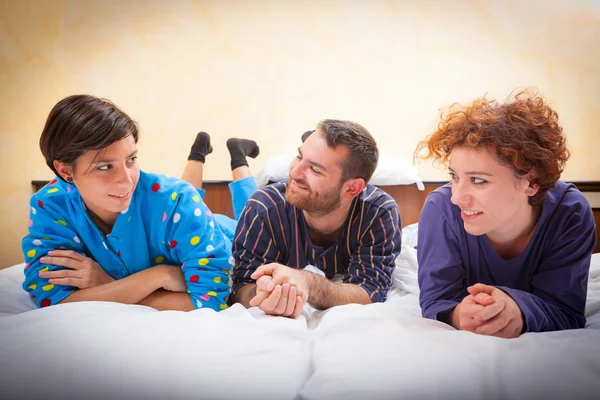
[103, 230]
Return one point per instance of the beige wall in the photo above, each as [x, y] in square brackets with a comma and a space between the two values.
[271, 69]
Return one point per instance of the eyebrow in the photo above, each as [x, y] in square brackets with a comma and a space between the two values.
[473, 172]
[105, 160]
[316, 164]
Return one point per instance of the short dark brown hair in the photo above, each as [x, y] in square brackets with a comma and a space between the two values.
[81, 123]
[523, 133]
[363, 153]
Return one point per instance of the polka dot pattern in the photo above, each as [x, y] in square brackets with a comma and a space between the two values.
[45, 303]
[205, 276]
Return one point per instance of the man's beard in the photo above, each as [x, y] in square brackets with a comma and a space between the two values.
[311, 202]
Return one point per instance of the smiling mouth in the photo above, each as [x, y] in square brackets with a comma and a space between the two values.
[120, 196]
[470, 212]
[296, 185]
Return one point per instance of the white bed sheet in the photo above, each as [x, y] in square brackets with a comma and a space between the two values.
[102, 350]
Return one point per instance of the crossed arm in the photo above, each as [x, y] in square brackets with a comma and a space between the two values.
[162, 286]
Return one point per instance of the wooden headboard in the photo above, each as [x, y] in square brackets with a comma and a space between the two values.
[409, 198]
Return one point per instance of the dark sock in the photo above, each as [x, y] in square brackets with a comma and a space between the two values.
[239, 149]
[305, 135]
[201, 147]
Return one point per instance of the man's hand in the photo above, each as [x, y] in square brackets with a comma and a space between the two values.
[280, 300]
[276, 290]
[501, 317]
[281, 274]
[82, 272]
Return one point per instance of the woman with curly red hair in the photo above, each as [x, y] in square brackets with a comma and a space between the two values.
[505, 248]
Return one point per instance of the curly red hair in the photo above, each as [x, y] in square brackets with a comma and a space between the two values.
[523, 133]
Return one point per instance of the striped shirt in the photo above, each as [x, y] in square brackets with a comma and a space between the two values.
[271, 230]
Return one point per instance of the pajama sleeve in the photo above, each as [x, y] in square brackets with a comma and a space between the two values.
[258, 238]
[373, 261]
[49, 229]
[441, 274]
[559, 286]
[193, 240]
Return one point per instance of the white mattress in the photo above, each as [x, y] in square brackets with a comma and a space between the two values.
[103, 350]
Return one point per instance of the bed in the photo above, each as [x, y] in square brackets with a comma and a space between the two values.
[98, 350]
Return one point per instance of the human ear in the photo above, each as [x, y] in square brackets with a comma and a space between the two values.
[532, 189]
[353, 187]
[64, 170]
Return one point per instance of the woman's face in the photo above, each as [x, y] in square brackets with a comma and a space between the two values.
[107, 178]
[493, 201]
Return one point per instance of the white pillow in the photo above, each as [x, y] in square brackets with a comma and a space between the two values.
[395, 171]
[405, 274]
[276, 169]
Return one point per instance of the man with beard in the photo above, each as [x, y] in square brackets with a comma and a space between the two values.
[326, 216]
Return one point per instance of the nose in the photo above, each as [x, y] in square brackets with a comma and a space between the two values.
[296, 172]
[124, 176]
[461, 194]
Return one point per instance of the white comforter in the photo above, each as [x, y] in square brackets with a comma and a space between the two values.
[105, 350]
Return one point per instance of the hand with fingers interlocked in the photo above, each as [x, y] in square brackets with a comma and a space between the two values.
[488, 310]
[280, 290]
[82, 272]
